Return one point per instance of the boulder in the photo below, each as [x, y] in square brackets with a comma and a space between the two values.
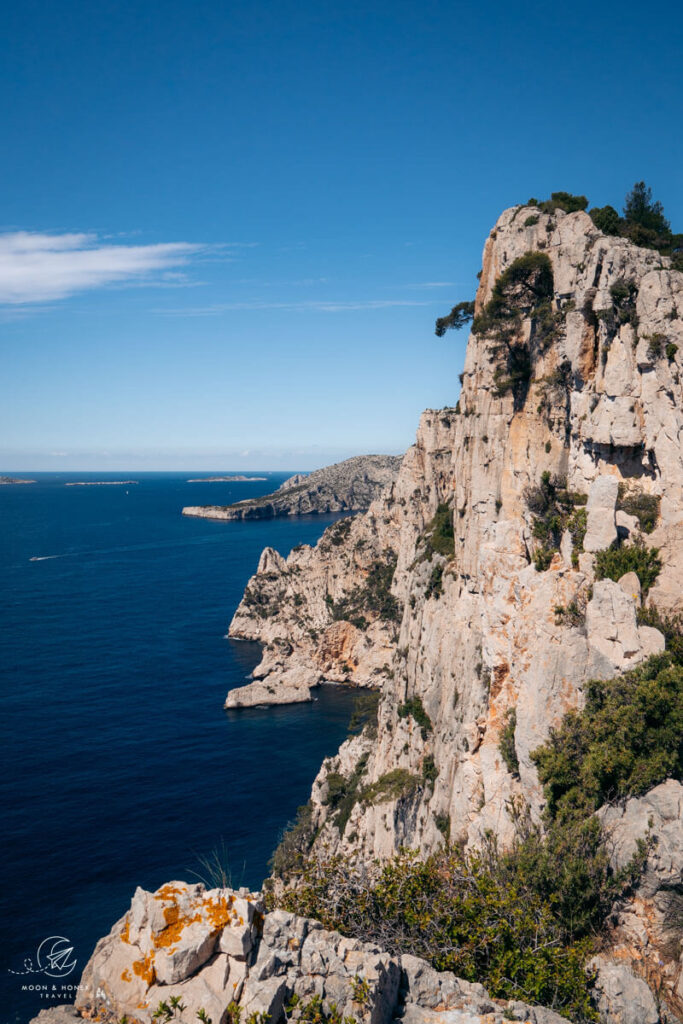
[621, 996]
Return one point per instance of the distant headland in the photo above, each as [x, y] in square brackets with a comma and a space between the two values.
[15, 480]
[100, 483]
[225, 479]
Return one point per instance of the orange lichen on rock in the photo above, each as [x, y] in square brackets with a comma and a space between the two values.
[145, 969]
[125, 975]
[218, 912]
[125, 933]
[167, 892]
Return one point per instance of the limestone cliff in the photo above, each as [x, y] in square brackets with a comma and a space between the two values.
[347, 486]
[587, 390]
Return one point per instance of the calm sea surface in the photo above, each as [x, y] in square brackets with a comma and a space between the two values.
[119, 765]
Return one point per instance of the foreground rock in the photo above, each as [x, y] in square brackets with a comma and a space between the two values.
[216, 950]
[348, 486]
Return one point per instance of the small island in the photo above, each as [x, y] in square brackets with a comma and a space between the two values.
[100, 483]
[15, 480]
[226, 479]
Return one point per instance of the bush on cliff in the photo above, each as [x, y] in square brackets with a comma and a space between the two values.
[613, 563]
[524, 921]
[627, 739]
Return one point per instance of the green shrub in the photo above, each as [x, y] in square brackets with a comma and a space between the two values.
[670, 626]
[531, 220]
[414, 709]
[343, 794]
[296, 840]
[563, 201]
[506, 743]
[393, 785]
[438, 537]
[606, 219]
[554, 509]
[435, 583]
[626, 740]
[613, 563]
[443, 823]
[430, 772]
[671, 350]
[645, 507]
[373, 598]
[364, 714]
[463, 913]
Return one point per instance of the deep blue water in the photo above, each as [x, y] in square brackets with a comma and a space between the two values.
[120, 766]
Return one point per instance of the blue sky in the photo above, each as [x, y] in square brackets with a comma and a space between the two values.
[228, 228]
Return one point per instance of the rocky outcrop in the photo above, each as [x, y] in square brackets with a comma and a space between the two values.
[493, 621]
[347, 486]
[217, 953]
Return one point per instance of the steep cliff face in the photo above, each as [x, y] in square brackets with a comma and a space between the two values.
[585, 387]
[474, 632]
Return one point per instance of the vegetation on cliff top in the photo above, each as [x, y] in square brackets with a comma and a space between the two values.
[642, 222]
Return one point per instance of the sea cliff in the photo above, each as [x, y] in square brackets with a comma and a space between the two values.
[531, 543]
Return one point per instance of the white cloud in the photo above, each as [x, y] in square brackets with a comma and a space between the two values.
[41, 268]
[319, 306]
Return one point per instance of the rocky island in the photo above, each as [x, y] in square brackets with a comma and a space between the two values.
[514, 598]
[15, 480]
[226, 479]
[347, 486]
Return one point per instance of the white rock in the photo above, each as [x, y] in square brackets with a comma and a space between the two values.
[601, 530]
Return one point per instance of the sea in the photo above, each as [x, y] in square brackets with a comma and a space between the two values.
[120, 766]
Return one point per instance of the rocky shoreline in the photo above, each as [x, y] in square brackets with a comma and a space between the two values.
[347, 486]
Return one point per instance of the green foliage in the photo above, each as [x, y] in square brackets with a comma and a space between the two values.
[414, 709]
[458, 317]
[554, 509]
[373, 598]
[531, 220]
[625, 741]
[315, 1011]
[364, 715]
[438, 537]
[343, 794]
[645, 507]
[295, 842]
[643, 223]
[572, 614]
[613, 563]
[393, 785]
[641, 209]
[339, 531]
[606, 219]
[655, 343]
[443, 823]
[563, 201]
[525, 288]
[430, 772]
[470, 914]
[527, 282]
[670, 626]
[671, 350]
[435, 584]
[506, 743]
